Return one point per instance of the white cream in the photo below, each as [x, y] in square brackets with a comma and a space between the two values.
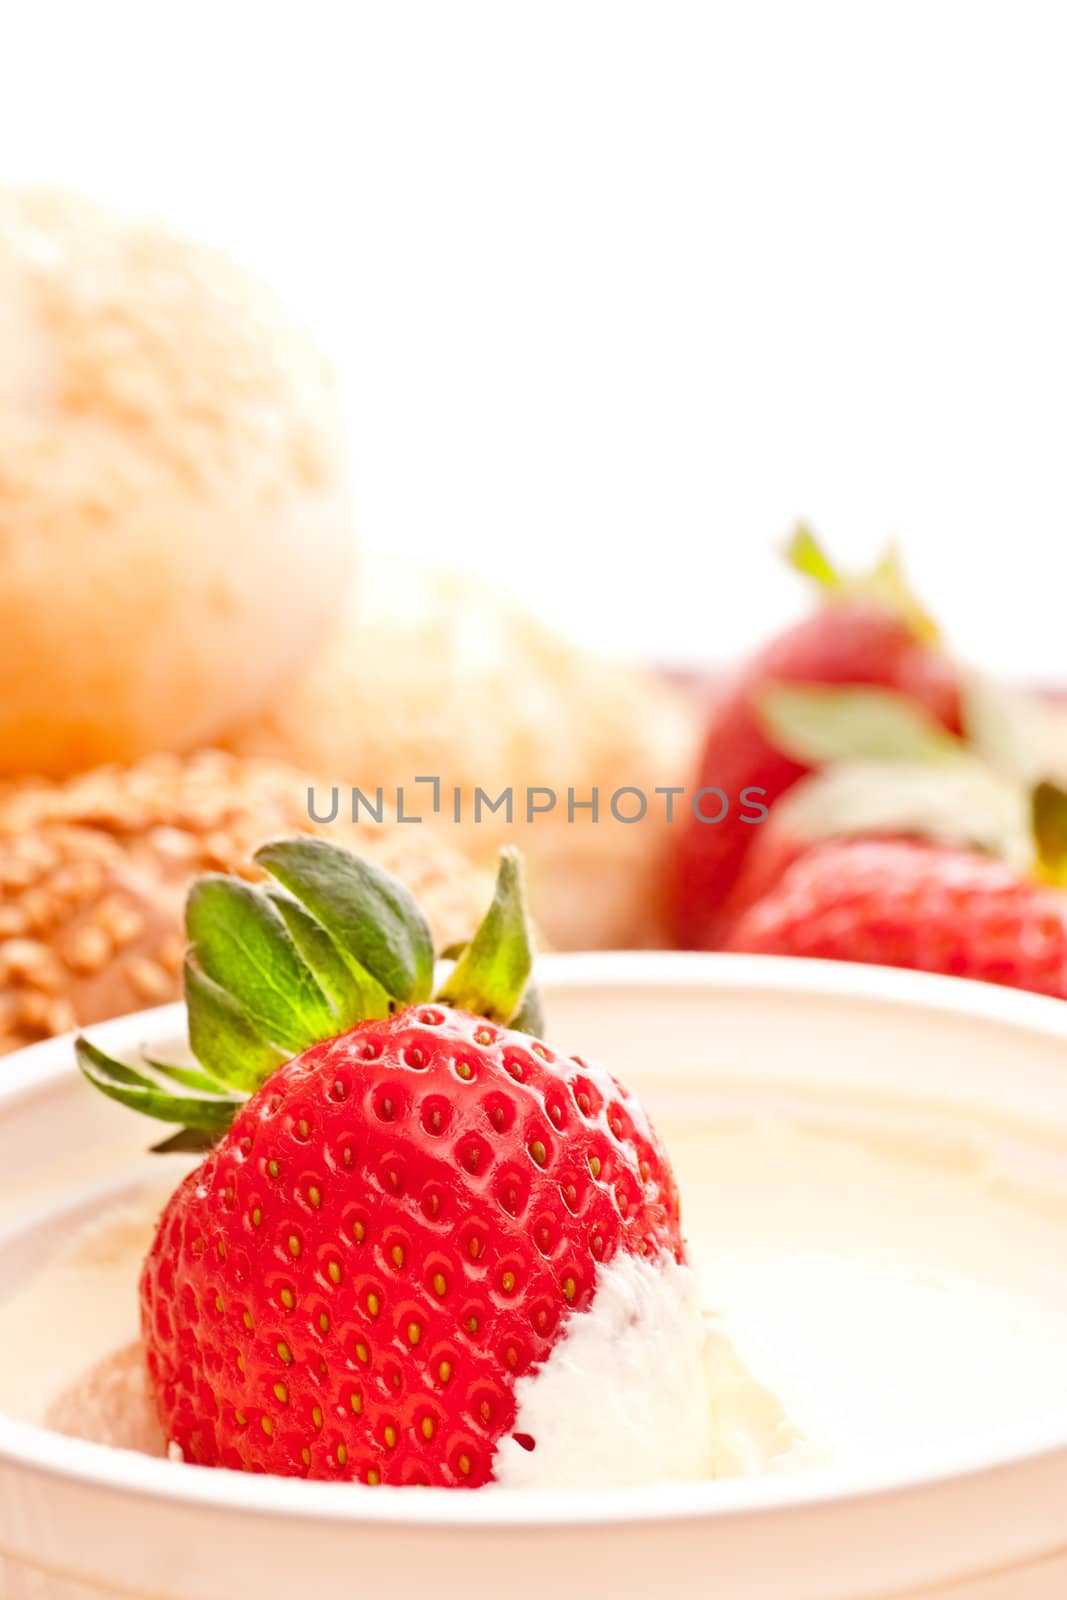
[624, 1398]
[77, 1317]
[899, 1288]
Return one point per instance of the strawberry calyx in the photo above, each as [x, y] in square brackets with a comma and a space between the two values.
[881, 764]
[886, 584]
[273, 969]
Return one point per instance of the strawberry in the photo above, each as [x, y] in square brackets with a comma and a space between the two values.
[871, 632]
[904, 903]
[394, 1228]
[880, 765]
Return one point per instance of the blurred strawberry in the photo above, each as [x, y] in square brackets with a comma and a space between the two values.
[881, 766]
[911, 847]
[905, 903]
[870, 631]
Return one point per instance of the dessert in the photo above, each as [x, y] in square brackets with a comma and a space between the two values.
[412, 1245]
[94, 872]
[919, 1255]
[442, 675]
[423, 1249]
[174, 518]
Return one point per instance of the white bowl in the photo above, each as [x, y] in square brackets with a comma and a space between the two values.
[986, 1519]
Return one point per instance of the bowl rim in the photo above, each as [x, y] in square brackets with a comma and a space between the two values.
[102, 1467]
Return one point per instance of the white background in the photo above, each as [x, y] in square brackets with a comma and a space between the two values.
[616, 291]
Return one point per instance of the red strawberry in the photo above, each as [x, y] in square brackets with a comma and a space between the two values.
[403, 1222]
[904, 903]
[764, 864]
[871, 633]
[883, 768]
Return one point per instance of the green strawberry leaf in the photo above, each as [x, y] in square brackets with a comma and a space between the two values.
[490, 976]
[818, 725]
[452, 952]
[271, 971]
[210, 1115]
[242, 943]
[353, 993]
[188, 1077]
[223, 1038]
[530, 1017]
[371, 916]
[1049, 815]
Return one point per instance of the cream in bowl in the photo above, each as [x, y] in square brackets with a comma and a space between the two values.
[873, 1281]
[872, 1171]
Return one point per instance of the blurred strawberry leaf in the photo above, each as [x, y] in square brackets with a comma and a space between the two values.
[818, 725]
[961, 804]
[1049, 813]
[889, 583]
[1000, 726]
[806, 555]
